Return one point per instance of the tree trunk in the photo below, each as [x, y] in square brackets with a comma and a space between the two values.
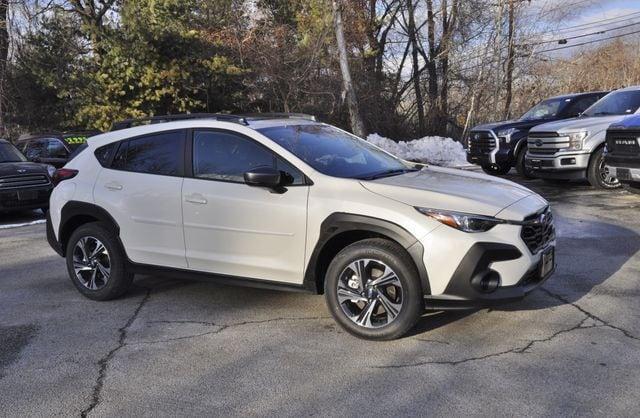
[510, 58]
[413, 39]
[432, 70]
[357, 126]
[4, 56]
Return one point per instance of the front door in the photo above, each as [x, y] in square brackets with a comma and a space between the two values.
[234, 229]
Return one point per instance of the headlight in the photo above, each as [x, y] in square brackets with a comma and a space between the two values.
[463, 221]
[506, 134]
[51, 170]
[576, 140]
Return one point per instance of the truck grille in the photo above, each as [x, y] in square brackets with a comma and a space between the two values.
[24, 181]
[624, 143]
[481, 142]
[546, 143]
[538, 231]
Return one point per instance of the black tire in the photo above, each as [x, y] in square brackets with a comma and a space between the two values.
[411, 297]
[496, 169]
[597, 176]
[118, 281]
[521, 168]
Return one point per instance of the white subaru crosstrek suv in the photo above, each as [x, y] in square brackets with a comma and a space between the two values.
[283, 201]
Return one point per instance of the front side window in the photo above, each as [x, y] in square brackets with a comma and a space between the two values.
[226, 156]
[160, 154]
[10, 154]
[616, 103]
[55, 149]
[580, 105]
[546, 109]
[336, 153]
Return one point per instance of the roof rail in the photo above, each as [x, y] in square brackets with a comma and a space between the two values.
[129, 123]
[278, 115]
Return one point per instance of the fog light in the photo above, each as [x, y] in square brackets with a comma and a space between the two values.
[568, 161]
[486, 282]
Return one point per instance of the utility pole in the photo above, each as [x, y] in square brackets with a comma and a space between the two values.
[510, 63]
[357, 126]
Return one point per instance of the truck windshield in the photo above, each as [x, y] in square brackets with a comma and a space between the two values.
[546, 109]
[10, 154]
[616, 103]
[336, 153]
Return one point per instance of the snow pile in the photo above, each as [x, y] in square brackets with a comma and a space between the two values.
[436, 150]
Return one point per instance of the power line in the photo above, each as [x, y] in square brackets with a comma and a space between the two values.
[583, 35]
[589, 42]
[576, 28]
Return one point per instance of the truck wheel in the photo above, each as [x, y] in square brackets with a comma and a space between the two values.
[373, 290]
[598, 174]
[496, 169]
[521, 167]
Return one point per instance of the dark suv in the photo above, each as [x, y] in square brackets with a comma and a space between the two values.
[23, 185]
[52, 148]
[622, 157]
[501, 145]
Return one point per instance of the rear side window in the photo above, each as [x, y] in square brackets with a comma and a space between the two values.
[105, 153]
[160, 154]
[226, 156]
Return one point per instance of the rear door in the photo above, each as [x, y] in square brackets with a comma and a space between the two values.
[141, 190]
[235, 229]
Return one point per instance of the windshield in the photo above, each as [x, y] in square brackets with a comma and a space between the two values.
[546, 109]
[336, 153]
[616, 103]
[10, 154]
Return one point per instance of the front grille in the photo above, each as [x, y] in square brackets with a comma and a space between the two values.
[538, 231]
[625, 143]
[546, 143]
[481, 143]
[24, 181]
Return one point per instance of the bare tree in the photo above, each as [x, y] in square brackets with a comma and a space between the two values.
[357, 126]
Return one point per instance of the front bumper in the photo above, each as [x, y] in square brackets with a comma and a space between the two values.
[500, 156]
[630, 163]
[24, 199]
[562, 166]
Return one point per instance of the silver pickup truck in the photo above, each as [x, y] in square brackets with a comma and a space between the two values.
[572, 149]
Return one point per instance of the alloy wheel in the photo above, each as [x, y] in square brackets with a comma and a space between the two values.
[91, 263]
[370, 293]
[605, 175]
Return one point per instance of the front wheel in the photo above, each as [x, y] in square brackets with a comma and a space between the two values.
[496, 169]
[598, 174]
[521, 167]
[373, 290]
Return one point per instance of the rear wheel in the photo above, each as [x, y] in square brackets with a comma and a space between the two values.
[598, 173]
[373, 291]
[521, 168]
[496, 169]
[96, 263]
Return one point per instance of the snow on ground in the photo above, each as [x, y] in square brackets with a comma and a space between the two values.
[436, 150]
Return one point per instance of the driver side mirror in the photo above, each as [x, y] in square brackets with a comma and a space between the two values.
[267, 177]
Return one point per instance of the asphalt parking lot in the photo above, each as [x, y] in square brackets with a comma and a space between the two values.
[190, 348]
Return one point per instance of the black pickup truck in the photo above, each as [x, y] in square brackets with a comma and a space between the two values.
[501, 145]
[622, 152]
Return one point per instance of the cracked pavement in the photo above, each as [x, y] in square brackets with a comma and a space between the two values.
[174, 347]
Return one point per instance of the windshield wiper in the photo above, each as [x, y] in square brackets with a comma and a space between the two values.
[389, 173]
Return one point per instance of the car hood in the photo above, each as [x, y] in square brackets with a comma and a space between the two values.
[13, 169]
[507, 124]
[450, 189]
[593, 124]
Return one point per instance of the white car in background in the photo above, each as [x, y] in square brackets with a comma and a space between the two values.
[286, 202]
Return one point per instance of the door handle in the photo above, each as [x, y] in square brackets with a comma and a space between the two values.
[113, 186]
[197, 198]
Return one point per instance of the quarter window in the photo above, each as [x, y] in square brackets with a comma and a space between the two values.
[153, 154]
[226, 156]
